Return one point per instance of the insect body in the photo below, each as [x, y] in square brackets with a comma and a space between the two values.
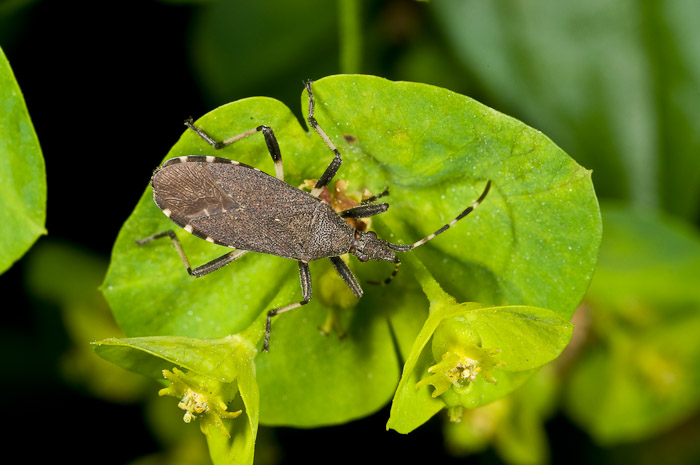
[235, 205]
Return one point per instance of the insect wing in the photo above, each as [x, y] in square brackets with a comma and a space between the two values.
[235, 205]
[186, 192]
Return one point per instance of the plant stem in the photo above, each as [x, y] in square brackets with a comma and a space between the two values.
[350, 36]
[431, 288]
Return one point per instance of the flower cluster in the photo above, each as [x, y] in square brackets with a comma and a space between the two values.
[199, 396]
[460, 358]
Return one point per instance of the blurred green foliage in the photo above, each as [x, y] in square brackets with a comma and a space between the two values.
[613, 82]
[68, 277]
[640, 371]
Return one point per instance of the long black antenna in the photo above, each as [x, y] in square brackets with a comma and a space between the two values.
[468, 210]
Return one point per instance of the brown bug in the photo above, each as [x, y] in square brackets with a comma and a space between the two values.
[235, 205]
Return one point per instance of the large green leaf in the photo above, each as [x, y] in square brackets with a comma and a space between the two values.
[23, 186]
[532, 242]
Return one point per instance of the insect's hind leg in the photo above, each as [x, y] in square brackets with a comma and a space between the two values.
[202, 270]
[270, 140]
[305, 278]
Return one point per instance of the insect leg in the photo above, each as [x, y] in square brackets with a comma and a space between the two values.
[364, 211]
[327, 175]
[217, 263]
[305, 278]
[200, 270]
[375, 197]
[342, 269]
[270, 139]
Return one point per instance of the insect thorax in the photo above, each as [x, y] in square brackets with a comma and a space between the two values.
[329, 234]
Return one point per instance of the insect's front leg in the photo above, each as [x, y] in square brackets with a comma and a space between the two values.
[333, 319]
[364, 211]
[374, 198]
[327, 175]
[342, 269]
[202, 270]
[270, 140]
[305, 278]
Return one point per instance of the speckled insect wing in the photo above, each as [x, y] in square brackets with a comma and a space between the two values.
[235, 205]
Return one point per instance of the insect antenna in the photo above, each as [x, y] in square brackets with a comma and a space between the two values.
[389, 278]
[407, 247]
[468, 210]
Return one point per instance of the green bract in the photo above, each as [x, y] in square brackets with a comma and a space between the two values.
[217, 370]
[23, 186]
[531, 245]
[477, 355]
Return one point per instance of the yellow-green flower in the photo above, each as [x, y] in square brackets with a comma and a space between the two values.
[199, 396]
[460, 367]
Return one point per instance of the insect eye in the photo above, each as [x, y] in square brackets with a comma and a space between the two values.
[363, 258]
[372, 235]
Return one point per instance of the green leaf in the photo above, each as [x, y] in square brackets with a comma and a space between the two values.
[533, 241]
[310, 380]
[641, 374]
[23, 186]
[216, 358]
[527, 337]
